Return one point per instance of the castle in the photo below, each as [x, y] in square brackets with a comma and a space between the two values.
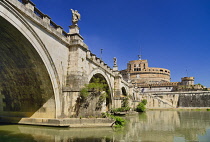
[152, 79]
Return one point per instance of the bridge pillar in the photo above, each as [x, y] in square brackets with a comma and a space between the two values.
[76, 72]
[117, 90]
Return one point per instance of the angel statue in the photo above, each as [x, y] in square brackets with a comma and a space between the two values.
[75, 16]
[115, 61]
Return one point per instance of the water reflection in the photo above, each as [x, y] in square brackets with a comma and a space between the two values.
[152, 126]
[169, 126]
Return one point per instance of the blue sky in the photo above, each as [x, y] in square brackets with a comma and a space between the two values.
[171, 34]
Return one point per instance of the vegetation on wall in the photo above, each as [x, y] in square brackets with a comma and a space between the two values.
[125, 102]
[92, 97]
[125, 106]
[95, 87]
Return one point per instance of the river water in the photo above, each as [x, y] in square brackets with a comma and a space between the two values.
[152, 126]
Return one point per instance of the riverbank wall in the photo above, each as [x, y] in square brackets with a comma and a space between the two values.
[191, 99]
[67, 122]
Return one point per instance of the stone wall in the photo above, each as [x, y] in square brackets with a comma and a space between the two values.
[177, 99]
[194, 99]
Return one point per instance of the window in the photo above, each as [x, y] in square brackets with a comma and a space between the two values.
[137, 69]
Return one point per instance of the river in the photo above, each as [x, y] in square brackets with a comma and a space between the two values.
[152, 126]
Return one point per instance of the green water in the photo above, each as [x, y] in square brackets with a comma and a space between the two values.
[152, 126]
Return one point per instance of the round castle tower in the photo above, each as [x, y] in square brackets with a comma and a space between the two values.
[187, 81]
[138, 72]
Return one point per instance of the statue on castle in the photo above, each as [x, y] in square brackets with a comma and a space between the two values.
[115, 61]
[75, 16]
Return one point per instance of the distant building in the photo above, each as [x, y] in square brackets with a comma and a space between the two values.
[187, 81]
[150, 79]
[139, 73]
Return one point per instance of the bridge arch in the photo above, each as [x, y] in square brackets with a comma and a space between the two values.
[34, 53]
[123, 91]
[106, 77]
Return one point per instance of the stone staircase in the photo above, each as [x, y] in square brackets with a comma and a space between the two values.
[155, 101]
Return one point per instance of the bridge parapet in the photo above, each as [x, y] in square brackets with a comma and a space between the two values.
[26, 7]
[98, 62]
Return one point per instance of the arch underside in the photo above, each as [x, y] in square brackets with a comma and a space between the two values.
[103, 75]
[123, 91]
[25, 86]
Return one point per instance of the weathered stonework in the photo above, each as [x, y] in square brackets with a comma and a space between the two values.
[190, 99]
[43, 68]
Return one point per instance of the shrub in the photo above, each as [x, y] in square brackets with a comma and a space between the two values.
[144, 101]
[121, 109]
[96, 87]
[119, 121]
[141, 107]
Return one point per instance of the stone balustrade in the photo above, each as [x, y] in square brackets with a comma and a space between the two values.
[98, 62]
[28, 8]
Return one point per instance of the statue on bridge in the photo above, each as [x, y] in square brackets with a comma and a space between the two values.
[75, 16]
[115, 67]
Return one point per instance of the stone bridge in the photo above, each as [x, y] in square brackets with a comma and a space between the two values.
[43, 68]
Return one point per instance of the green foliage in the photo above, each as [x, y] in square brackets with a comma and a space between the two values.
[96, 86]
[84, 94]
[104, 115]
[125, 106]
[200, 85]
[101, 99]
[121, 109]
[125, 102]
[141, 106]
[208, 109]
[144, 101]
[119, 121]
